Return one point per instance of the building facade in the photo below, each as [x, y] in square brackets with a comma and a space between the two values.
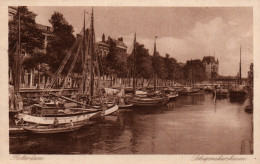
[103, 45]
[211, 66]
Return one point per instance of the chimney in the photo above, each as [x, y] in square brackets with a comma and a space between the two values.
[120, 39]
[103, 37]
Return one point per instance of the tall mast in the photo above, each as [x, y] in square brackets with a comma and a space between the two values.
[240, 68]
[84, 58]
[17, 57]
[192, 83]
[134, 63]
[91, 54]
[154, 54]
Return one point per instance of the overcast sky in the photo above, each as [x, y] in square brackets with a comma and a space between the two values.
[183, 32]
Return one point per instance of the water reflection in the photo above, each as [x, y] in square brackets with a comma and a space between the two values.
[189, 125]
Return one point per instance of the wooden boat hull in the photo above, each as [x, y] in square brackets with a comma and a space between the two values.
[188, 92]
[147, 102]
[51, 130]
[222, 94]
[61, 119]
[16, 129]
[237, 94]
[208, 90]
[172, 97]
[111, 110]
[126, 106]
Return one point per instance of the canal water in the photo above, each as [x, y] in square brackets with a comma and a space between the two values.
[189, 125]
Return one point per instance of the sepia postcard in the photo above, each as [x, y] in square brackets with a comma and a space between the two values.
[130, 82]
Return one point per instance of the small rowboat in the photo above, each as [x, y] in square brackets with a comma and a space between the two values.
[53, 130]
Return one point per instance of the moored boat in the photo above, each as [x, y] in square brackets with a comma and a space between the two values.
[222, 93]
[189, 91]
[63, 118]
[112, 108]
[122, 103]
[148, 101]
[86, 109]
[53, 130]
[208, 89]
[125, 106]
[15, 129]
[170, 93]
[238, 91]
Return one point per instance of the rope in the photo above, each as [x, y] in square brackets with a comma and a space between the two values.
[60, 69]
[71, 67]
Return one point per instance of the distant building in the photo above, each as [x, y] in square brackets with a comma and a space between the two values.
[103, 45]
[211, 66]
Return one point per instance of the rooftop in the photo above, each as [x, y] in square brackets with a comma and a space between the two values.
[103, 44]
[119, 42]
[46, 29]
[209, 59]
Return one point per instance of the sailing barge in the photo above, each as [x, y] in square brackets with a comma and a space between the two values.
[146, 100]
[238, 91]
[53, 130]
[45, 114]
